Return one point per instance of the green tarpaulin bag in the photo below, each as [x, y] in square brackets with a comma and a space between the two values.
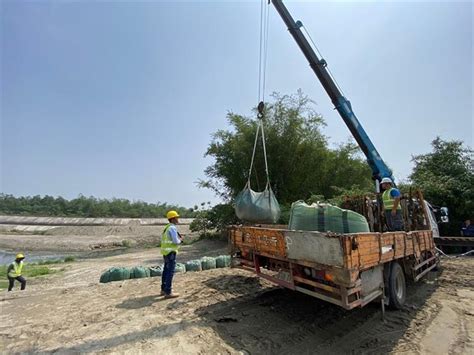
[139, 272]
[193, 265]
[257, 207]
[156, 271]
[253, 206]
[180, 268]
[208, 263]
[115, 274]
[324, 217]
[223, 261]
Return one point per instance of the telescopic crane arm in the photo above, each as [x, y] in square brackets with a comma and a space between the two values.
[342, 105]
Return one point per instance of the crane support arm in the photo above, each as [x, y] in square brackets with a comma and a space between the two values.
[342, 105]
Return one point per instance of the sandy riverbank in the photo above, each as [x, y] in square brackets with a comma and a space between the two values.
[227, 311]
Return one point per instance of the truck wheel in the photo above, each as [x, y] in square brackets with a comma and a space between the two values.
[397, 286]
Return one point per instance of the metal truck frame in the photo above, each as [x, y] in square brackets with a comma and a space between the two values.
[349, 270]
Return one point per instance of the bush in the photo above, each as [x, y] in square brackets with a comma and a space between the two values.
[69, 259]
[215, 219]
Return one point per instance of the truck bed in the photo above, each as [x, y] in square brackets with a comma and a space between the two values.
[346, 255]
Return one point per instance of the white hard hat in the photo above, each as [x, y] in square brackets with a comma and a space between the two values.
[386, 179]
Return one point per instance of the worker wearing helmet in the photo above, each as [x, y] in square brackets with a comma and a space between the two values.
[391, 203]
[170, 240]
[14, 272]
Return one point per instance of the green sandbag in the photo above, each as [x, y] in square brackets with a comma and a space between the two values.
[223, 261]
[193, 265]
[115, 274]
[208, 263]
[156, 271]
[257, 207]
[324, 217]
[180, 268]
[139, 272]
[105, 277]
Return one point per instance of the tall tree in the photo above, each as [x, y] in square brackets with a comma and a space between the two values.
[300, 162]
[446, 176]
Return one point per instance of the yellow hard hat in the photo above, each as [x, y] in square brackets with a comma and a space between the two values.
[172, 214]
[20, 256]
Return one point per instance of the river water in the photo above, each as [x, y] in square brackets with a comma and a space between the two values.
[7, 257]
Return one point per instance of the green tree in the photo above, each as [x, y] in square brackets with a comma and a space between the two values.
[300, 162]
[446, 177]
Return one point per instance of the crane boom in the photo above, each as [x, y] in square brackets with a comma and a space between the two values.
[342, 104]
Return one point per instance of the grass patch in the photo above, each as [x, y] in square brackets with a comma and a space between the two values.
[48, 262]
[67, 259]
[126, 243]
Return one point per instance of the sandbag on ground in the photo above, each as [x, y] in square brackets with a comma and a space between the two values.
[180, 268]
[223, 261]
[115, 274]
[139, 272]
[156, 271]
[208, 263]
[193, 265]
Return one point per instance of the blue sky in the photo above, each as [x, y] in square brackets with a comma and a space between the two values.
[119, 99]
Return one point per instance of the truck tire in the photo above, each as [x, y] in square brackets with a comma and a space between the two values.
[397, 286]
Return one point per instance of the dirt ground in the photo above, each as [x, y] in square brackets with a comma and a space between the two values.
[227, 311]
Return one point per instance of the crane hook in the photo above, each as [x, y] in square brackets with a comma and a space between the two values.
[260, 108]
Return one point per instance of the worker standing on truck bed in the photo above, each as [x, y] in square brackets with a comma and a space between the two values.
[170, 241]
[14, 272]
[391, 205]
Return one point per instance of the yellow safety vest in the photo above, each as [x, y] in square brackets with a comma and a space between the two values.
[388, 201]
[167, 245]
[16, 269]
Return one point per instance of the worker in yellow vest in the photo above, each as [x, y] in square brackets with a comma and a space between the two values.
[170, 240]
[391, 203]
[14, 272]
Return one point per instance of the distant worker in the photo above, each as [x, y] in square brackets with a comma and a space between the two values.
[467, 229]
[170, 240]
[391, 204]
[14, 272]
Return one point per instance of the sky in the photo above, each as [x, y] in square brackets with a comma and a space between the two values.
[120, 98]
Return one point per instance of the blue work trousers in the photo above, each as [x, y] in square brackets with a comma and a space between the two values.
[168, 272]
[394, 223]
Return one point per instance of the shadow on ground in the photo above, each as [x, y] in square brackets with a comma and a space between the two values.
[281, 321]
[259, 319]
